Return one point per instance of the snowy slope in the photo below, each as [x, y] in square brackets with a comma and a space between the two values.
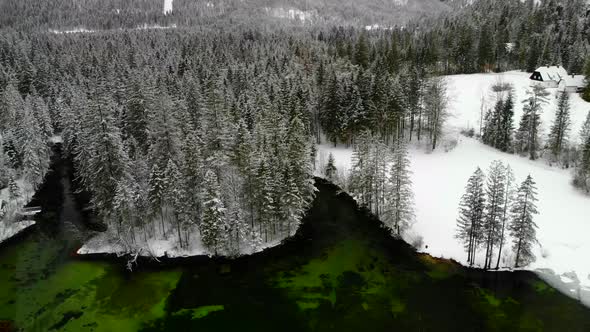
[439, 179]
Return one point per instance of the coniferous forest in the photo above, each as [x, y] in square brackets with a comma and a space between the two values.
[318, 165]
[206, 129]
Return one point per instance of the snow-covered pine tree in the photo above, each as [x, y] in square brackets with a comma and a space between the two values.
[399, 209]
[176, 197]
[561, 125]
[193, 170]
[495, 191]
[360, 177]
[522, 227]
[381, 156]
[14, 192]
[585, 131]
[164, 131]
[34, 149]
[297, 154]
[330, 170]
[213, 224]
[471, 214]
[435, 105]
[100, 156]
[156, 192]
[508, 199]
[506, 124]
[41, 114]
[124, 207]
[582, 172]
[492, 131]
[527, 136]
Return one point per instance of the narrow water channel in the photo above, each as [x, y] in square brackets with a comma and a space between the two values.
[341, 272]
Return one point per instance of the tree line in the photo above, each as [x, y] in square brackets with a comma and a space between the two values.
[498, 131]
[493, 209]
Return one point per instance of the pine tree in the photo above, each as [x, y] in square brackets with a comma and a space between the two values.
[492, 131]
[330, 170]
[561, 125]
[582, 173]
[399, 211]
[436, 104]
[471, 214]
[176, 197]
[506, 124]
[585, 131]
[508, 199]
[495, 191]
[527, 136]
[100, 157]
[361, 176]
[522, 227]
[361, 52]
[156, 193]
[14, 192]
[213, 224]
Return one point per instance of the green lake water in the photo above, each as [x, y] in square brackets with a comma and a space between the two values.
[341, 272]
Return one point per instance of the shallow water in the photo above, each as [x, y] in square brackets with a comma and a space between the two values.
[341, 272]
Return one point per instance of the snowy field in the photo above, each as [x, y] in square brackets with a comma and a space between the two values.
[439, 179]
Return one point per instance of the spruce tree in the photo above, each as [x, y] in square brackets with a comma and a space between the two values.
[528, 132]
[330, 170]
[14, 192]
[522, 227]
[504, 142]
[157, 184]
[495, 191]
[399, 211]
[492, 131]
[508, 199]
[561, 125]
[585, 131]
[582, 172]
[471, 214]
[213, 224]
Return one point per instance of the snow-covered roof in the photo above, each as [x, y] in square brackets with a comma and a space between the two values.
[575, 80]
[552, 73]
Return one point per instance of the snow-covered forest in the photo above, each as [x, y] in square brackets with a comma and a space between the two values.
[203, 138]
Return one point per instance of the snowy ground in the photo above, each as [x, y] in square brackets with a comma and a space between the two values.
[11, 229]
[168, 6]
[103, 243]
[439, 179]
[8, 228]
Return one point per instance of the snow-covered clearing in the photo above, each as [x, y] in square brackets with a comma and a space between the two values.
[439, 178]
[168, 6]
[292, 14]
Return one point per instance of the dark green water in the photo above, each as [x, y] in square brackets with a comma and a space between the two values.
[342, 272]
